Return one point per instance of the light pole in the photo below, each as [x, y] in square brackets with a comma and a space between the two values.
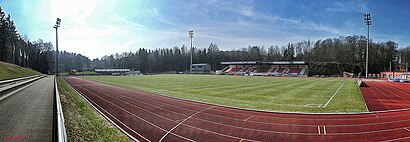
[56, 26]
[191, 35]
[367, 21]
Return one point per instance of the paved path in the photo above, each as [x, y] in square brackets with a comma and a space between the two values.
[28, 114]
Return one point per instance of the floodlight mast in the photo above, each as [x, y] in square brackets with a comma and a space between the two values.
[367, 21]
[56, 26]
[191, 36]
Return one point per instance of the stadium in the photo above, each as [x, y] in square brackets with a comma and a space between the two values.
[131, 71]
[276, 100]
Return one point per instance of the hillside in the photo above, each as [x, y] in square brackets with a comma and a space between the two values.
[10, 71]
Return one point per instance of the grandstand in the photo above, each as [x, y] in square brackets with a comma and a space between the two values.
[259, 68]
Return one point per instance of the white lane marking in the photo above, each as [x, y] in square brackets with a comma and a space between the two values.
[146, 121]
[248, 118]
[380, 91]
[407, 129]
[184, 121]
[375, 115]
[174, 121]
[392, 140]
[377, 131]
[324, 130]
[241, 140]
[333, 95]
[95, 105]
[318, 129]
[365, 124]
[387, 90]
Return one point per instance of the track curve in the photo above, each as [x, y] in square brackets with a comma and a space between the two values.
[151, 117]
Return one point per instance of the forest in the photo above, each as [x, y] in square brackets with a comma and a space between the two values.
[326, 56]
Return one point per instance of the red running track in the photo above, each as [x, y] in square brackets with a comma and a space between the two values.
[383, 95]
[150, 117]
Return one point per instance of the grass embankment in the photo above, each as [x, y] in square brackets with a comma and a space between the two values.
[82, 121]
[10, 71]
[261, 93]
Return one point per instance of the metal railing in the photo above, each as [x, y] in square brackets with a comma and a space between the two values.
[60, 133]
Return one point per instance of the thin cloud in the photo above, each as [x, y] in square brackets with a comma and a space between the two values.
[352, 5]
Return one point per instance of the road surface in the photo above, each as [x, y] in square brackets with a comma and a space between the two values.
[28, 114]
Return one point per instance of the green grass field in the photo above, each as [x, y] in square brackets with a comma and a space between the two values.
[10, 71]
[261, 93]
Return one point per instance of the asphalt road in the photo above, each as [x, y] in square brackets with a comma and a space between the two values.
[28, 114]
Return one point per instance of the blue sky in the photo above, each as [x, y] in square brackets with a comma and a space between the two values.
[101, 27]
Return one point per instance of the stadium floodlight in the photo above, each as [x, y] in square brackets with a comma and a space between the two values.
[191, 35]
[367, 21]
[56, 26]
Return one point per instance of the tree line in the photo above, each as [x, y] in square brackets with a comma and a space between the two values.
[18, 50]
[327, 56]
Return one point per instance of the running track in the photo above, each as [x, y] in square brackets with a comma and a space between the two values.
[384, 95]
[150, 117]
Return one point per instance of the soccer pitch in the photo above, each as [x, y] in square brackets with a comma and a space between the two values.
[260, 93]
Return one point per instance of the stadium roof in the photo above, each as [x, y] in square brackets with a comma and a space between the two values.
[201, 64]
[112, 70]
[265, 63]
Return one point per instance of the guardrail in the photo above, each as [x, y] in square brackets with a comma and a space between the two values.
[60, 133]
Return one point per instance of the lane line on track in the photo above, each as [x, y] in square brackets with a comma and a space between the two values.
[333, 95]
[183, 124]
[274, 123]
[248, 118]
[95, 105]
[379, 91]
[407, 129]
[385, 90]
[365, 132]
[246, 109]
[375, 115]
[185, 120]
[166, 119]
[324, 130]
[241, 140]
[318, 129]
[392, 140]
[136, 115]
[158, 94]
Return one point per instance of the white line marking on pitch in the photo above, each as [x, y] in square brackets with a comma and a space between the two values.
[333, 95]
[248, 118]
[184, 121]
[407, 129]
[324, 130]
[318, 129]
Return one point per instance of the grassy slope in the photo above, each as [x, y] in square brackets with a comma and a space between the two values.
[262, 93]
[83, 123]
[10, 71]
